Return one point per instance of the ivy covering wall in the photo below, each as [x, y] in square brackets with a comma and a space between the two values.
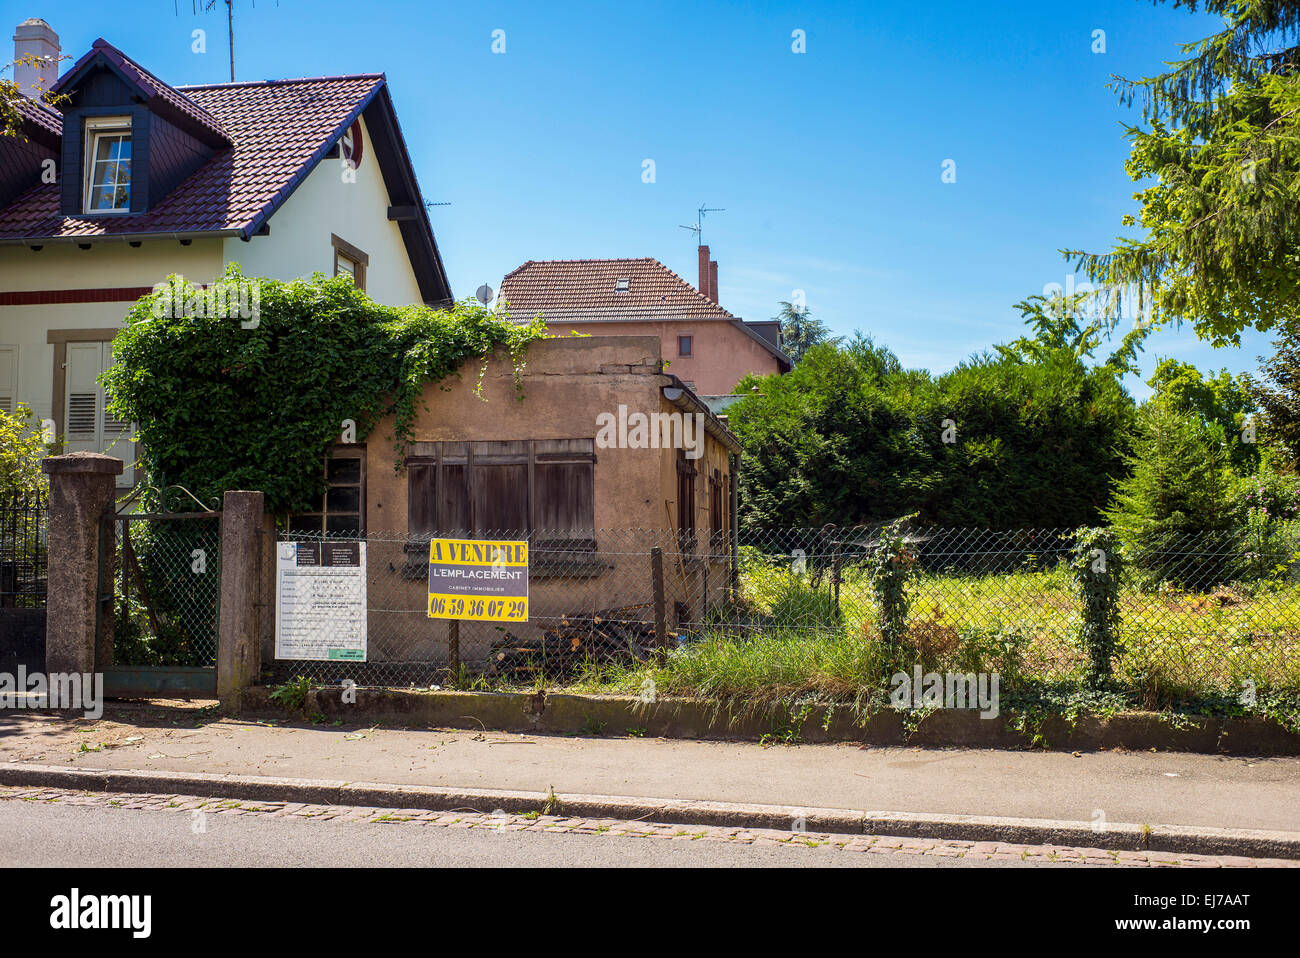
[247, 384]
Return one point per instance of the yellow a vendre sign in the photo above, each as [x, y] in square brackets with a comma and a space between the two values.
[484, 580]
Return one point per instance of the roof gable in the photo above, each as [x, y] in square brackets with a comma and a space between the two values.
[160, 98]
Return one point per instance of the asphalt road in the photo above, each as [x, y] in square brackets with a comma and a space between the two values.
[49, 835]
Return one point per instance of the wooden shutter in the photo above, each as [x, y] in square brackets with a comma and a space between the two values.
[116, 434]
[685, 497]
[501, 499]
[421, 498]
[114, 428]
[455, 517]
[565, 500]
[82, 426]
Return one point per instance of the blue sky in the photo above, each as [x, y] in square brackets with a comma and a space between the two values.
[828, 163]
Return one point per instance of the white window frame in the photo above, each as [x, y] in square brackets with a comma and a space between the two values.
[95, 129]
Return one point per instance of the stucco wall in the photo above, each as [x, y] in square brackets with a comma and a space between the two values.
[566, 385]
[65, 266]
[722, 354]
[326, 203]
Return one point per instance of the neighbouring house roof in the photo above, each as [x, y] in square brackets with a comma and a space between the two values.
[589, 290]
[275, 133]
[586, 289]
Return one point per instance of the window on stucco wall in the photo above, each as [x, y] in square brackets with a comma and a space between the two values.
[340, 510]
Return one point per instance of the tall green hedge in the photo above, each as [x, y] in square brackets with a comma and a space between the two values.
[999, 442]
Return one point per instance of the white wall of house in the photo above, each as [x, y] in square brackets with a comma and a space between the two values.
[328, 203]
[353, 208]
[106, 265]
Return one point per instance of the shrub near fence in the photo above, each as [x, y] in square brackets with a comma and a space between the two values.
[832, 614]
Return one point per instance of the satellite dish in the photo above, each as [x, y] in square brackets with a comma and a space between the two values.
[484, 294]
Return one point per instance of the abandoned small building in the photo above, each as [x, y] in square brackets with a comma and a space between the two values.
[604, 457]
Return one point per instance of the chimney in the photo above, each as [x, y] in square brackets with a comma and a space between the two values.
[34, 38]
[705, 277]
[713, 280]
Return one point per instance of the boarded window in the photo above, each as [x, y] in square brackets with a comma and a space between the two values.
[715, 504]
[544, 488]
[685, 501]
[564, 484]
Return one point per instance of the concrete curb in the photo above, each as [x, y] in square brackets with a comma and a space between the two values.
[562, 713]
[1250, 843]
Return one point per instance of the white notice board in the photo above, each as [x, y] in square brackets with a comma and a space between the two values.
[320, 601]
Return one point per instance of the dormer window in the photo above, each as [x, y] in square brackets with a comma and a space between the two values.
[108, 165]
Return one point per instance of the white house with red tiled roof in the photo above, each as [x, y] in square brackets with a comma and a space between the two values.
[129, 179]
[707, 347]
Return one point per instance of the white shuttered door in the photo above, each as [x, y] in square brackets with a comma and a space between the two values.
[9, 378]
[88, 426]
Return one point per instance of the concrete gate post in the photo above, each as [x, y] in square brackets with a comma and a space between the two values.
[80, 545]
[239, 639]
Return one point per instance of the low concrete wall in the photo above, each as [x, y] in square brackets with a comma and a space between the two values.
[692, 718]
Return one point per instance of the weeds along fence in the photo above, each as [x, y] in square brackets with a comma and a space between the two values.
[1201, 612]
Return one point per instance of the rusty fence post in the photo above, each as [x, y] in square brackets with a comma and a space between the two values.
[657, 577]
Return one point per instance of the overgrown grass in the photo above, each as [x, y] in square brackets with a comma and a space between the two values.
[1182, 651]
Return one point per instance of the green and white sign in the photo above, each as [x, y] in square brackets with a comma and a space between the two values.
[320, 601]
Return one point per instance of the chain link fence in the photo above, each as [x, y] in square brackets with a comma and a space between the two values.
[166, 590]
[1207, 610]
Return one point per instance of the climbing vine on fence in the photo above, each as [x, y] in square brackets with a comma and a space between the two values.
[247, 389]
[889, 567]
[1096, 564]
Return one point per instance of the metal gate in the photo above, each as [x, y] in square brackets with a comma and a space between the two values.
[161, 594]
[24, 531]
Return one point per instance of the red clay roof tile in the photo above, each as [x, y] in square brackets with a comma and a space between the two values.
[277, 128]
[586, 289]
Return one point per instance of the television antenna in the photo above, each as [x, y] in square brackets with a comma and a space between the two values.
[206, 6]
[698, 228]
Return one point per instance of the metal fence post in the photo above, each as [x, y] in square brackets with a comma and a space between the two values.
[657, 577]
[453, 647]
